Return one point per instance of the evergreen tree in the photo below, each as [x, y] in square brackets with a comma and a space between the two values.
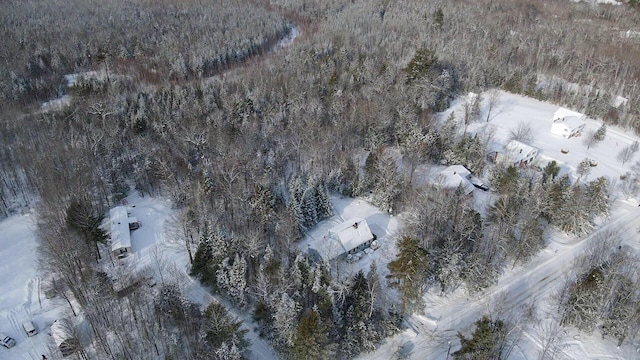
[505, 180]
[408, 273]
[388, 184]
[237, 279]
[312, 340]
[370, 175]
[584, 168]
[421, 65]
[295, 204]
[325, 209]
[203, 257]
[438, 18]
[484, 342]
[223, 330]
[285, 320]
[598, 197]
[550, 171]
[573, 216]
[81, 218]
[309, 208]
[601, 133]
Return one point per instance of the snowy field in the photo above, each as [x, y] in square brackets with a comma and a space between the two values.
[513, 109]
[21, 294]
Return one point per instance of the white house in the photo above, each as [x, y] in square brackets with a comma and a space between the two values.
[344, 239]
[121, 224]
[456, 176]
[518, 153]
[567, 123]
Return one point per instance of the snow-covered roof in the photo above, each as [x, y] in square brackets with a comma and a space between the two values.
[619, 101]
[455, 176]
[569, 118]
[563, 113]
[351, 233]
[119, 222]
[342, 238]
[518, 151]
[60, 333]
[573, 122]
[327, 247]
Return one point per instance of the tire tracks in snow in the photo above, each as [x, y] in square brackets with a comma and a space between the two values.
[527, 284]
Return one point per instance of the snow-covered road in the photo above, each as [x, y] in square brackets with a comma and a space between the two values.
[527, 284]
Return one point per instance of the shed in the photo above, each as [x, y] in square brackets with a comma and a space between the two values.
[63, 337]
[567, 123]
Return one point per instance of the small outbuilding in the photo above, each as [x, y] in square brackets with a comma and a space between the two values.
[63, 337]
[567, 123]
[348, 238]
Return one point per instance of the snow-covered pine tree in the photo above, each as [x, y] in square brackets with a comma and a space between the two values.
[325, 209]
[238, 279]
[309, 207]
[597, 193]
[312, 340]
[222, 274]
[203, 256]
[584, 168]
[223, 331]
[295, 204]
[285, 319]
[601, 133]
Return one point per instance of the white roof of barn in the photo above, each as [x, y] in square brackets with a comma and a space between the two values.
[563, 113]
[351, 233]
[119, 222]
[518, 151]
[455, 176]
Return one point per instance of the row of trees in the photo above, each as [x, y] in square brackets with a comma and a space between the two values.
[148, 41]
[447, 242]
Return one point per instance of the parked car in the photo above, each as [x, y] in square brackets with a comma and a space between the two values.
[29, 328]
[6, 341]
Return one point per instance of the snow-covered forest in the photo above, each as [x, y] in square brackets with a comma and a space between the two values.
[250, 137]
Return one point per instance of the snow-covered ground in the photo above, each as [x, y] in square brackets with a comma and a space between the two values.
[513, 109]
[21, 293]
[432, 335]
[154, 250]
[382, 224]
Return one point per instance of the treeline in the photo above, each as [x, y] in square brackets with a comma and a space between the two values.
[151, 41]
[569, 53]
[461, 247]
[248, 158]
